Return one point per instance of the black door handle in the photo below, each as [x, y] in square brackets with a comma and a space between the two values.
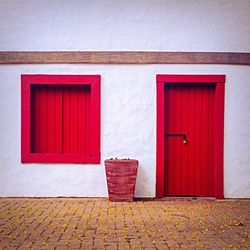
[182, 135]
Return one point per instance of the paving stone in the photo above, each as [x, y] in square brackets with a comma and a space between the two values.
[84, 223]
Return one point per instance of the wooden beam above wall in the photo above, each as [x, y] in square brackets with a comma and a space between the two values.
[122, 57]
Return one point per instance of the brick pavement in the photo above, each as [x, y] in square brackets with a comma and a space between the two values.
[74, 223]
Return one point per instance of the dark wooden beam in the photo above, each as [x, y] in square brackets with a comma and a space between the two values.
[122, 57]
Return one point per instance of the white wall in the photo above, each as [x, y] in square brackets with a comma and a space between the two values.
[179, 25]
[128, 91]
[128, 129]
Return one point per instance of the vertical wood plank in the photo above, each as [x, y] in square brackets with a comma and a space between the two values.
[168, 184]
[176, 129]
[190, 136]
[74, 118]
[199, 132]
[66, 119]
[204, 148]
[95, 101]
[88, 117]
[211, 142]
[166, 144]
[43, 113]
[193, 169]
[160, 140]
[51, 119]
[219, 140]
[169, 159]
[82, 120]
[182, 130]
[185, 103]
[25, 119]
[58, 119]
[35, 119]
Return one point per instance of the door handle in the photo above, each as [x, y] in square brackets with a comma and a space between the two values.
[184, 140]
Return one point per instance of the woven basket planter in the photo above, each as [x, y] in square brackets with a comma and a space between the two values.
[121, 179]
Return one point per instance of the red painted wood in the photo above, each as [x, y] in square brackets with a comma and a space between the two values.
[69, 118]
[206, 181]
[88, 122]
[35, 123]
[211, 140]
[160, 141]
[218, 140]
[62, 158]
[39, 121]
[25, 119]
[65, 119]
[95, 120]
[51, 104]
[82, 120]
[50, 114]
[180, 171]
[58, 119]
[191, 78]
[74, 119]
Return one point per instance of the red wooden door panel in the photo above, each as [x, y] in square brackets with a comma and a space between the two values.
[189, 110]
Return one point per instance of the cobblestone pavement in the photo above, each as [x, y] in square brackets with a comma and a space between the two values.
[74, 223]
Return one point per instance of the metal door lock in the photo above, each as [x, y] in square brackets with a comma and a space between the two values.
[184, 140]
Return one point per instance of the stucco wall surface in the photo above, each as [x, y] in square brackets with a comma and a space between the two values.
[172, 25]
[128, 92]
[128, 129]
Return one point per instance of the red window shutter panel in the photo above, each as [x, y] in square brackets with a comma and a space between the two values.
[63, 121]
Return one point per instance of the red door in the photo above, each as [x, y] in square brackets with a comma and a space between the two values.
[189, 139]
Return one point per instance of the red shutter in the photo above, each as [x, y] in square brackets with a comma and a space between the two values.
[61, 119]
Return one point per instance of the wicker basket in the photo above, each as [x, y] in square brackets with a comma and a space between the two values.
[121, 179]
